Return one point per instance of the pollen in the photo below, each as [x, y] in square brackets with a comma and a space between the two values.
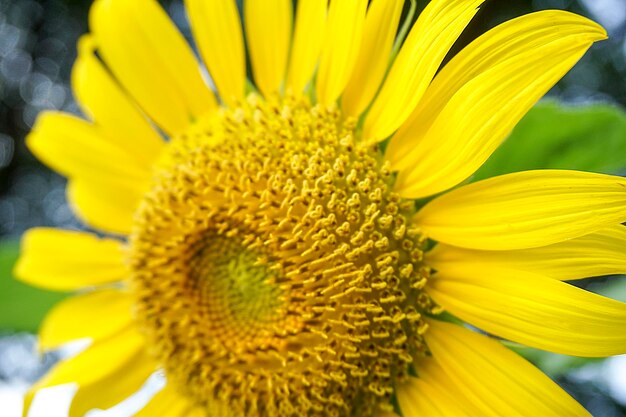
[275, 272]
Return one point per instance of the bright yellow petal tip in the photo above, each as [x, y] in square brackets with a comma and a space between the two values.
[480, 95]
[67, 260]
[525, 209]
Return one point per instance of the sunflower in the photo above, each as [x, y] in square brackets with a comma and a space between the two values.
[302, 245]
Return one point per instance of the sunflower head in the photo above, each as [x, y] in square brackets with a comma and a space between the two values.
[275, 268]
[287, 251]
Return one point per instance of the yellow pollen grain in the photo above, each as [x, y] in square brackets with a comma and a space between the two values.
[276, 273]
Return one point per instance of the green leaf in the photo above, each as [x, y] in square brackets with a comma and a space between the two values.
[613, 287]
[22, 307]
[557, 136]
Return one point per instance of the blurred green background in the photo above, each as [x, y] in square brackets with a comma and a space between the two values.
[581, 126]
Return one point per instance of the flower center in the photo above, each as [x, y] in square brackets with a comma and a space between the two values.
[276, 272]
[239, 296]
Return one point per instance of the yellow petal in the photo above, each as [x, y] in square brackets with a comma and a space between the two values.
[152, 60]
[95, 315]
[340, 49]
[106, 181]
[496, 380]
[167, 403]
[217, 30]
[199, 411]
[381, 25]
[102, 98]
[525, 209]
[115, 388]
[431, 373]
[93, 203]
[105, 373]
[596, 254]
[76, 148]
[307, 42]
[268, 31]
[428, 42]
[477, 99]
[418, 398]
[532, 309]
[63, 260]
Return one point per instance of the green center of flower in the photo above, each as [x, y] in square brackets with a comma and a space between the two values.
[276, 272]
[238, 293]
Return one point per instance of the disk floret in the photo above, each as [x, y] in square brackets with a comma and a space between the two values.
[276, 272]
